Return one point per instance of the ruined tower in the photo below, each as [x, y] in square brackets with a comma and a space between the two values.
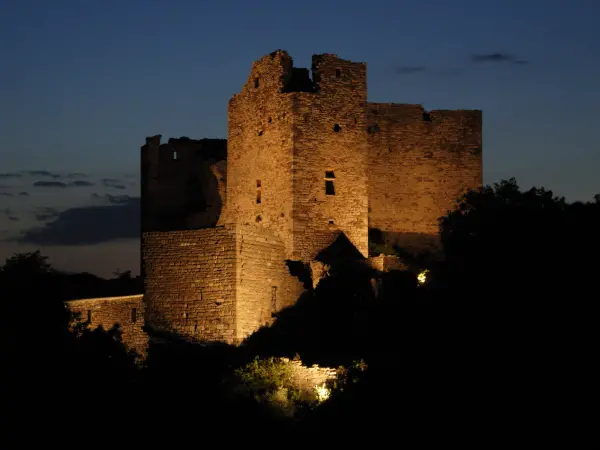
[297, 153]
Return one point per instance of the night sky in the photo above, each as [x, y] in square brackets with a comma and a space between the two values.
[83, 83]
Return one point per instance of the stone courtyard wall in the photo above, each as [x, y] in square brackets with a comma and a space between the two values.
[127, 312]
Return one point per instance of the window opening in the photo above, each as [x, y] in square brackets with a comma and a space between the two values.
[258, 192]
[329, 187]
[89, 315]
[337, 128]
[133, 315]
[338, 73]
[256, 83]
[175, 156]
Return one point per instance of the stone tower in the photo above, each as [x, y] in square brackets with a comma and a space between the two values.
[297, 153]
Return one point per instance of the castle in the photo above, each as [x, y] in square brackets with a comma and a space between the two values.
[308, 162]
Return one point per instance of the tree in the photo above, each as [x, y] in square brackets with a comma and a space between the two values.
[504, 228]
[32, 263]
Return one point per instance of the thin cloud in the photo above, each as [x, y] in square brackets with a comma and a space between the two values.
[113, 183]
[409, 70]
[51, 184]
[42, 173]
[118, 199]
[77, 175]
[6, 194]
[23, 194]
[10, 215]
[88, 225]
[113, 199]
[81, 183]
[62, 184]
[496, 57]
[10, 175]
[44, 214]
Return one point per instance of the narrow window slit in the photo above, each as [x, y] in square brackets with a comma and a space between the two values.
[329, 187]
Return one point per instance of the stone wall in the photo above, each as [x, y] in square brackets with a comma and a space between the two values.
[190, 283]
[183, 183]
[127, 312]
[307, 378]
[330, 157]
[259, 159]
[265, 285]
[386, 263]
[420, 162]
[218, 284]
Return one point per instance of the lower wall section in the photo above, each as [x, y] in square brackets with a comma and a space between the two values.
[190, 283]
[265, 284]
[216, 284]
[126, 312]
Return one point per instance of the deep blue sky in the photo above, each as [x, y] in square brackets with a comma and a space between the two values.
[83, 82]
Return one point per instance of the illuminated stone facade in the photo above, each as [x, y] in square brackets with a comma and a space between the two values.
[308, 161]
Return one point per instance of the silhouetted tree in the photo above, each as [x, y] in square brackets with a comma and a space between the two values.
[44, 362]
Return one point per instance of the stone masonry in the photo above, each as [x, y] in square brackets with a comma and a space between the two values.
[308, 161]
[126, 312]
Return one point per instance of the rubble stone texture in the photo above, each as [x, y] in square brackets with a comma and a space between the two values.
[306, 160]
[307, 378]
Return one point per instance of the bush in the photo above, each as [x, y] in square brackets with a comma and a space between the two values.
[270, 382]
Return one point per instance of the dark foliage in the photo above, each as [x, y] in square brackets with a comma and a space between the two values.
[495, 346]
